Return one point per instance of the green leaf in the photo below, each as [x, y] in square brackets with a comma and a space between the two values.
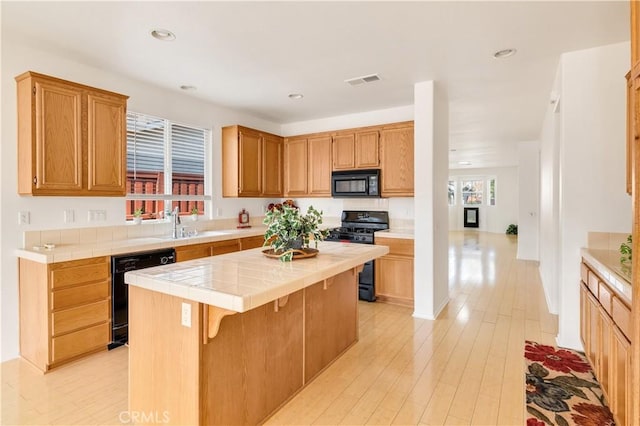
[538, 414]
[561, 421]
[538, 370]
[573, 382]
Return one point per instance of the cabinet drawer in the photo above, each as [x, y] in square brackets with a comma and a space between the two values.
[79, 295]
[593, 283]
[251, 242]
[80, 342]
[80, 317]
[604, 296]
[222, 247]
[64, 277]
[193, 251]
[397, 246]
[621, 316]
[584, 273]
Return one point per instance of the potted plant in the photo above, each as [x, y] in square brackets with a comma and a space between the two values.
[194, 214]
[289, 231]
[137, 215]
[626, 251]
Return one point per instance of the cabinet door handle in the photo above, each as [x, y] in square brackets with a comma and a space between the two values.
[34, 90]
[35, 180]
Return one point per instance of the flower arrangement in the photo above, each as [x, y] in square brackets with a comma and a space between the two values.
[289, 230]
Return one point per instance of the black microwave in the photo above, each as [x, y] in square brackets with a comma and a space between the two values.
[356, 183]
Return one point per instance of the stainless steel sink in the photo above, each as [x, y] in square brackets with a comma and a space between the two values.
[189, 236]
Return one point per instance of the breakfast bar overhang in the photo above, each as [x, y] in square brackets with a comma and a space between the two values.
[229, 339]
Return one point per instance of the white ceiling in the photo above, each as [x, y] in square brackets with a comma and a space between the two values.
[251, 55]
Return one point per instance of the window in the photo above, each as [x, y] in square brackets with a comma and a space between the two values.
[472, 192]
[165, 166]
[452, 193]
[491, 199]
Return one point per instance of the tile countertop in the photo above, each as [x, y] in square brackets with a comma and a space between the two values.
[244, 280]
[606, 263]
[405, 233]
[65, 252]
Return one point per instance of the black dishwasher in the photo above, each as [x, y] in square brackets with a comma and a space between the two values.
[120, 290]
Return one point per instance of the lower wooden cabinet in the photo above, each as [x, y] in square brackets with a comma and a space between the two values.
[620, 389]
[197, 251]
[247, 243]
[64, 310]
[394, 272]
[604, 322]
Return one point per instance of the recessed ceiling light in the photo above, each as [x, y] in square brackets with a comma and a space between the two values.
[464, 163]
[164, 35]
[296, 96]
[501, 54]
[187, 87]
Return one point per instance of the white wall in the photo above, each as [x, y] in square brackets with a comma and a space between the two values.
[592, 165]
[431, 134]
[528, 199]
[549, 235]
[362, 119]
[492, 218]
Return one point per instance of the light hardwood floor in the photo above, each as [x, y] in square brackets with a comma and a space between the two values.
[466, 367]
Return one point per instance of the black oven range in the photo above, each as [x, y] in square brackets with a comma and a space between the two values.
[359, 227]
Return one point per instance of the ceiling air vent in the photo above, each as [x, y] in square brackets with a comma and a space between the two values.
[364, 79]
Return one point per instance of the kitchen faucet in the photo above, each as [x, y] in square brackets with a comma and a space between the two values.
[175, 219]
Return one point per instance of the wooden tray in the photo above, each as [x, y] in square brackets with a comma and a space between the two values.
[297, 253]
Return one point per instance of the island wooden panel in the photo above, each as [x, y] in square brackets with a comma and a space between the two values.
[331, 321]
[163, 357]
[248, 370]
[255, 363]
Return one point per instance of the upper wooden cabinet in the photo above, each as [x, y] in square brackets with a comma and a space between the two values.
[357, 150]
[251, 163]
[308, 166]
[319, 166]
[396, 161]
[71, 138]
[295, 170]
[635, 33]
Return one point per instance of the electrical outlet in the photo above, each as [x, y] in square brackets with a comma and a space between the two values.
[186, 314]
[97, 216]
[24, 218]
[69, 216]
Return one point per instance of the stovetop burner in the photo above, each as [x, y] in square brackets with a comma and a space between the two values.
[360, 226]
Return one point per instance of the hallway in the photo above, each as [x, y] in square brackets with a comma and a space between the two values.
[464, 368]
[467, 367]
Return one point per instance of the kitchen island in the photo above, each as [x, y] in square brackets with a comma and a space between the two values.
[229, 339]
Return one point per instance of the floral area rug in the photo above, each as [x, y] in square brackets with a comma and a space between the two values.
[562, 389]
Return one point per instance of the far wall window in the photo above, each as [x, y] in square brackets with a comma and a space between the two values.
[452, 192]
[473, 191]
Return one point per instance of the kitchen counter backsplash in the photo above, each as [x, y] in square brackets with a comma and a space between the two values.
[152, 229]
[124, 232]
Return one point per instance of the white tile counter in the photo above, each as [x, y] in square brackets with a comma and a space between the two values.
[606, 263]
[404, 233]
[244, 280]
[65, 252]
